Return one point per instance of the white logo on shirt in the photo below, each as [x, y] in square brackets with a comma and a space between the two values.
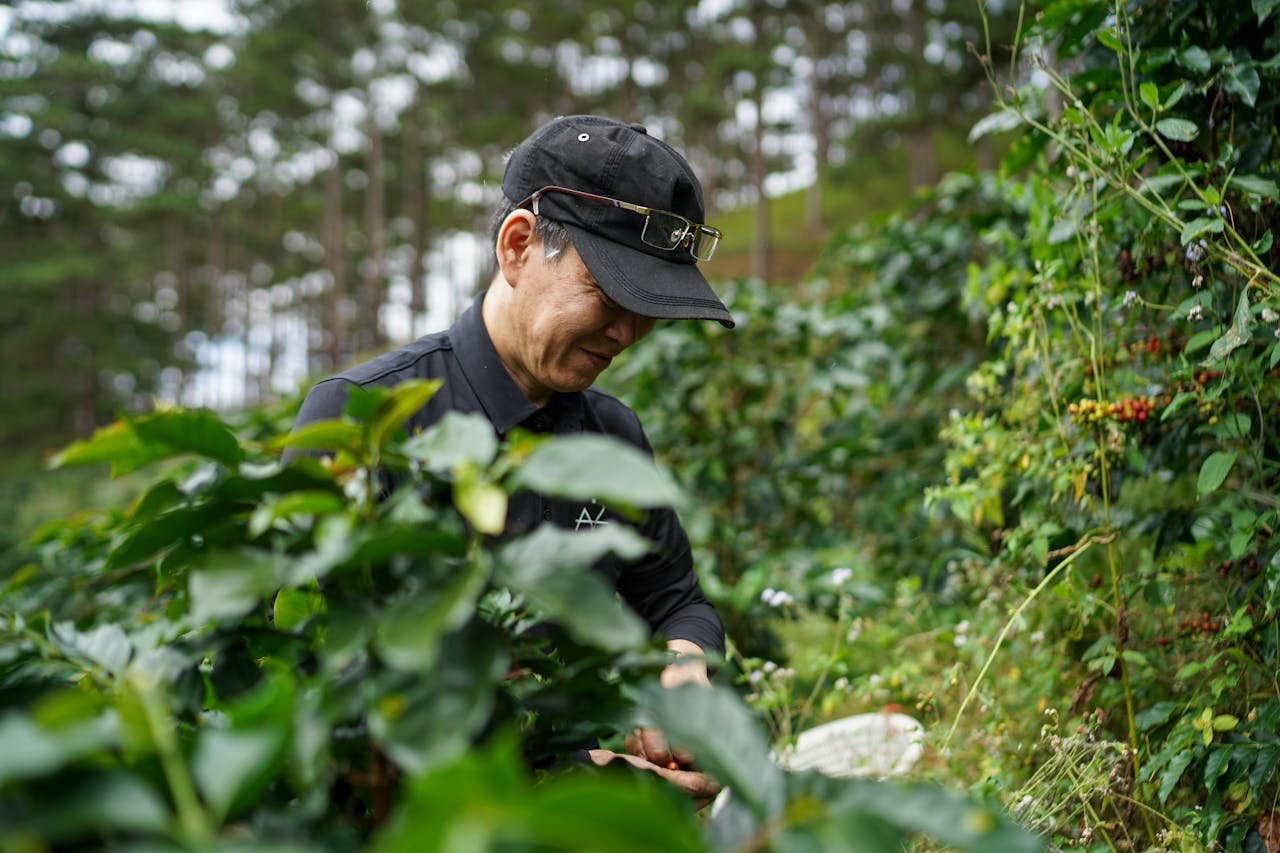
[585, 518]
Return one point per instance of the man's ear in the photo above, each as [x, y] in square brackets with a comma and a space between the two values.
[516, 241]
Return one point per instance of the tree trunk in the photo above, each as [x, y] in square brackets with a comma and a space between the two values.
[85, 413]
[819, 121]
[334, 336]
[215, 314]
[415, 203]
[176, 261]
[372, 288]
[760, 171]
[922, 159]
[759, 164]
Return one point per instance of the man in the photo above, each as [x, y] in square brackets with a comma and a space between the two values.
[597, 239]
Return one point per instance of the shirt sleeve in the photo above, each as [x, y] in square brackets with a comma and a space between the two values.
[664, 590]
[662, 586]
[324, 402]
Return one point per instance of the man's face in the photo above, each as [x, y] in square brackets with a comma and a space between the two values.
[567, 330]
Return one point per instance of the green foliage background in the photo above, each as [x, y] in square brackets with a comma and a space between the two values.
[1004, 460]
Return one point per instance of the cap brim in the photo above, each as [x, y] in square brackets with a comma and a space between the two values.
[648, 285]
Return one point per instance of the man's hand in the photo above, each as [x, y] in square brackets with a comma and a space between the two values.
[649, 747]
[689, 667]
[699, 787]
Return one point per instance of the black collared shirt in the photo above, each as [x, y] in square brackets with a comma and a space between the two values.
[662, 586]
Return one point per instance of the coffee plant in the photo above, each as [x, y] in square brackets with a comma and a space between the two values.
[1084, 605]
[338, 651]
[1121, 459]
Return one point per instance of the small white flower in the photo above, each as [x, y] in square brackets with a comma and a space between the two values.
[769, 666]
[1198, 281]
[775, 597]
[1196, 313]
[840, 575]
[1269, 315]
[755, 677]
[841, 683]
[1130, 297]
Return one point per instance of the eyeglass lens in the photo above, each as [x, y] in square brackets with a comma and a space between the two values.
[667, 231]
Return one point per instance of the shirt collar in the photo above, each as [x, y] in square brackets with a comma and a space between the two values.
[504, 404]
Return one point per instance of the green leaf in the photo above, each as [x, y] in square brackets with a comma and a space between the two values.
[583, 467]
[454, 440]
[105, 645]
[482, 503]
[1237, 335]
[1169, 778]
[1157, 183]
[1255, 185]
[1264, 767]
[164, 532]
[1263, 8]
[1110, 38]
[409, 632]
[435, 717]
[1215, 470]
[954, 821]
[485, 799]
[1200, 225]
[404, 401]
[1202, 339]
[1225, 722]
[332, 436]
[1150, 95]
[997, 122]
[31, 751]
[714, 725]
[231, 767]
[1176, 95]
[228, 584]
[195, 431]
[96, 803]
[550, 567]
[293, 607]
[305, 502]
[131, 444]
[1195, 58]
[1189, 669]
[1242, 81]
[1178, 129]
[1214, 765]
[1177, 403]
[1157, 714]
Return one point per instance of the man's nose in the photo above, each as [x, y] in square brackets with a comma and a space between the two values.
[623, 328]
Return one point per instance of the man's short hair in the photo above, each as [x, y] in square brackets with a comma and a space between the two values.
[554, 236]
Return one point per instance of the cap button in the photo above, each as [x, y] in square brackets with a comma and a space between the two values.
[639, 128]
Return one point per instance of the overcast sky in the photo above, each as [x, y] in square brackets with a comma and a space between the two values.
[193, 14]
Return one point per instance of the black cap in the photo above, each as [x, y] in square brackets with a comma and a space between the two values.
[606, 157]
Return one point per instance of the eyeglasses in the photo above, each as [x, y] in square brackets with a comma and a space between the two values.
[662, 228]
